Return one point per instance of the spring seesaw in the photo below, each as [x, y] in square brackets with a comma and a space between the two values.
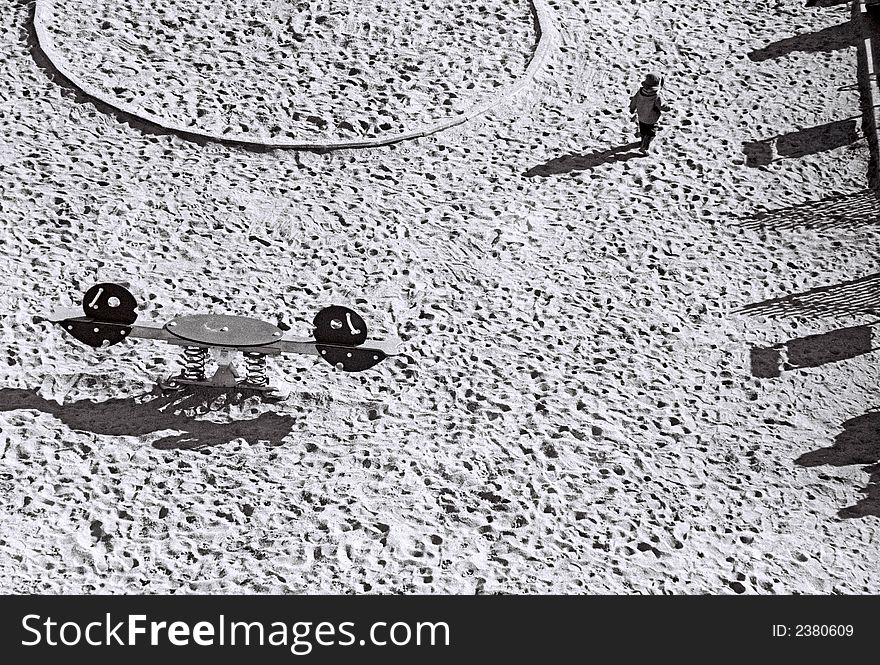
[108, 317]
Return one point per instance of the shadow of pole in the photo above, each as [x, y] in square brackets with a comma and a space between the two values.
[860, 31]
[812, 351]
[154, 412]
[833, 38]
[803, 142]
[866, 67]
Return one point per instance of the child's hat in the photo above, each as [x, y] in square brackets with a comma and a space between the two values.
[651, 80]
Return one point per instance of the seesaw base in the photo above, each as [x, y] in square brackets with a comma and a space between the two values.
[175, 383]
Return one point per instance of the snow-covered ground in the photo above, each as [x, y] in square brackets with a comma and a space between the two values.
[621, 374]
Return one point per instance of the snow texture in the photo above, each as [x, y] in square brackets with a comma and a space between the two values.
[622, 374]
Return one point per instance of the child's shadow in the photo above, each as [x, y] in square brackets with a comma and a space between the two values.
[155, 412]
[570, 163]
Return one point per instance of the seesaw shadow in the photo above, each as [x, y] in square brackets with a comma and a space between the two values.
[577, 162]
[155, 412]
[858, 443]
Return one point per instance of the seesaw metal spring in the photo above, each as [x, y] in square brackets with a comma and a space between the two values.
[257, 371]
[195, 358]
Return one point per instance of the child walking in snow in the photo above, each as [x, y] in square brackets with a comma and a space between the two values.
[647, 106]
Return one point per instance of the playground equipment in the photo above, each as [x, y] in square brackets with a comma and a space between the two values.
[108, 317]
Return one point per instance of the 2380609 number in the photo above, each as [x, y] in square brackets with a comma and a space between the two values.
[817, 630]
